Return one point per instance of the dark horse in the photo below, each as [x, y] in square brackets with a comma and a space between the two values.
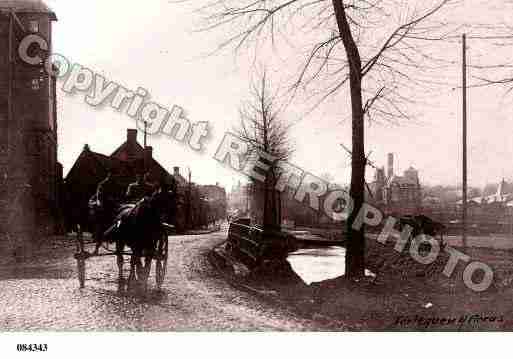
[143, 228]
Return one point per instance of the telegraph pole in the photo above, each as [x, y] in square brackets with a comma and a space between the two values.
[189, 200]
[247, 199]
[464, 87]
[145, 133]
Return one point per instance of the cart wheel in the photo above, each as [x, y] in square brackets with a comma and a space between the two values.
[161, 267]
[80, 257]
[81, 272]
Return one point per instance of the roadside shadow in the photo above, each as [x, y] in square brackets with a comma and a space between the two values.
[36, 272]
[151, 296]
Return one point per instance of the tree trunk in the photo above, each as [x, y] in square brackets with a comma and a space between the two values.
[272, 220]
[355, 255]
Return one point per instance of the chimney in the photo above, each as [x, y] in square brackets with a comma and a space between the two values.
[390, 172]
[148, 157]
[176, 171]
[131, 136]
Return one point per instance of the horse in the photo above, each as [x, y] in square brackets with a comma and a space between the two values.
[142, 228]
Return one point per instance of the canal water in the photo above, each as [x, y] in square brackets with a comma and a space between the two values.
[319, 264]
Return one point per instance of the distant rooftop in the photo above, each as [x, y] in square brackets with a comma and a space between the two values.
[402, 180]
[27, 6]
[503, 195]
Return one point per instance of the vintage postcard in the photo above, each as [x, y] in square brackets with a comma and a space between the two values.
[251, 165]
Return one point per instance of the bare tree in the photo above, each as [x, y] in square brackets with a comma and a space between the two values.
[378, 48]
[265, 131]
[494, 70]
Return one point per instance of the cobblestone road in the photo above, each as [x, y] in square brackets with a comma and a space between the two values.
[44, 295]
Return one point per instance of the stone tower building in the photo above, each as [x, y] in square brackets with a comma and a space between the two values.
[29, 172]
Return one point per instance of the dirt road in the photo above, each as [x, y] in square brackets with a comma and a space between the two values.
[43, 294]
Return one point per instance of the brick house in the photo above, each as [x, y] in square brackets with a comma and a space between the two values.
[127, 161]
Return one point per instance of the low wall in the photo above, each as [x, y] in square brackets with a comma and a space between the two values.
[253, 245]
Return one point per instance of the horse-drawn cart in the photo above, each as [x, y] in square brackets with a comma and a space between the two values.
[143, 229]
[160, 257]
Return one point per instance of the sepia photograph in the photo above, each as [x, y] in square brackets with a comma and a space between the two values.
[230, 166]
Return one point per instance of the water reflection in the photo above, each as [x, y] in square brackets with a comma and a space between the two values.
[319, 264]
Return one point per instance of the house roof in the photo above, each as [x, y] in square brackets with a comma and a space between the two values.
[27, 6]
[101, 163]
[94, 162]
[501, 196]
[431, 199]
[126, 146]
[401, 180]
[494, 198]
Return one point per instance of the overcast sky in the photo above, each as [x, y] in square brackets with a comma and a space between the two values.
[151, 44]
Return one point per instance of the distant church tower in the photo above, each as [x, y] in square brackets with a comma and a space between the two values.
[30, 175]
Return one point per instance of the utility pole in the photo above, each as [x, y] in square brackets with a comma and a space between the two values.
[145, 133]
[464, 87]
[247, 199]
[189, 200]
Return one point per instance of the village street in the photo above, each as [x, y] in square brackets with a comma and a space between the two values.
[43, 294]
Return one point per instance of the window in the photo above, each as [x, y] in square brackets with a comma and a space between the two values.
[34, 26]
[35, 84]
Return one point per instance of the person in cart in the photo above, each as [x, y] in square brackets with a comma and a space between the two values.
[107, 203]
[140, 189]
